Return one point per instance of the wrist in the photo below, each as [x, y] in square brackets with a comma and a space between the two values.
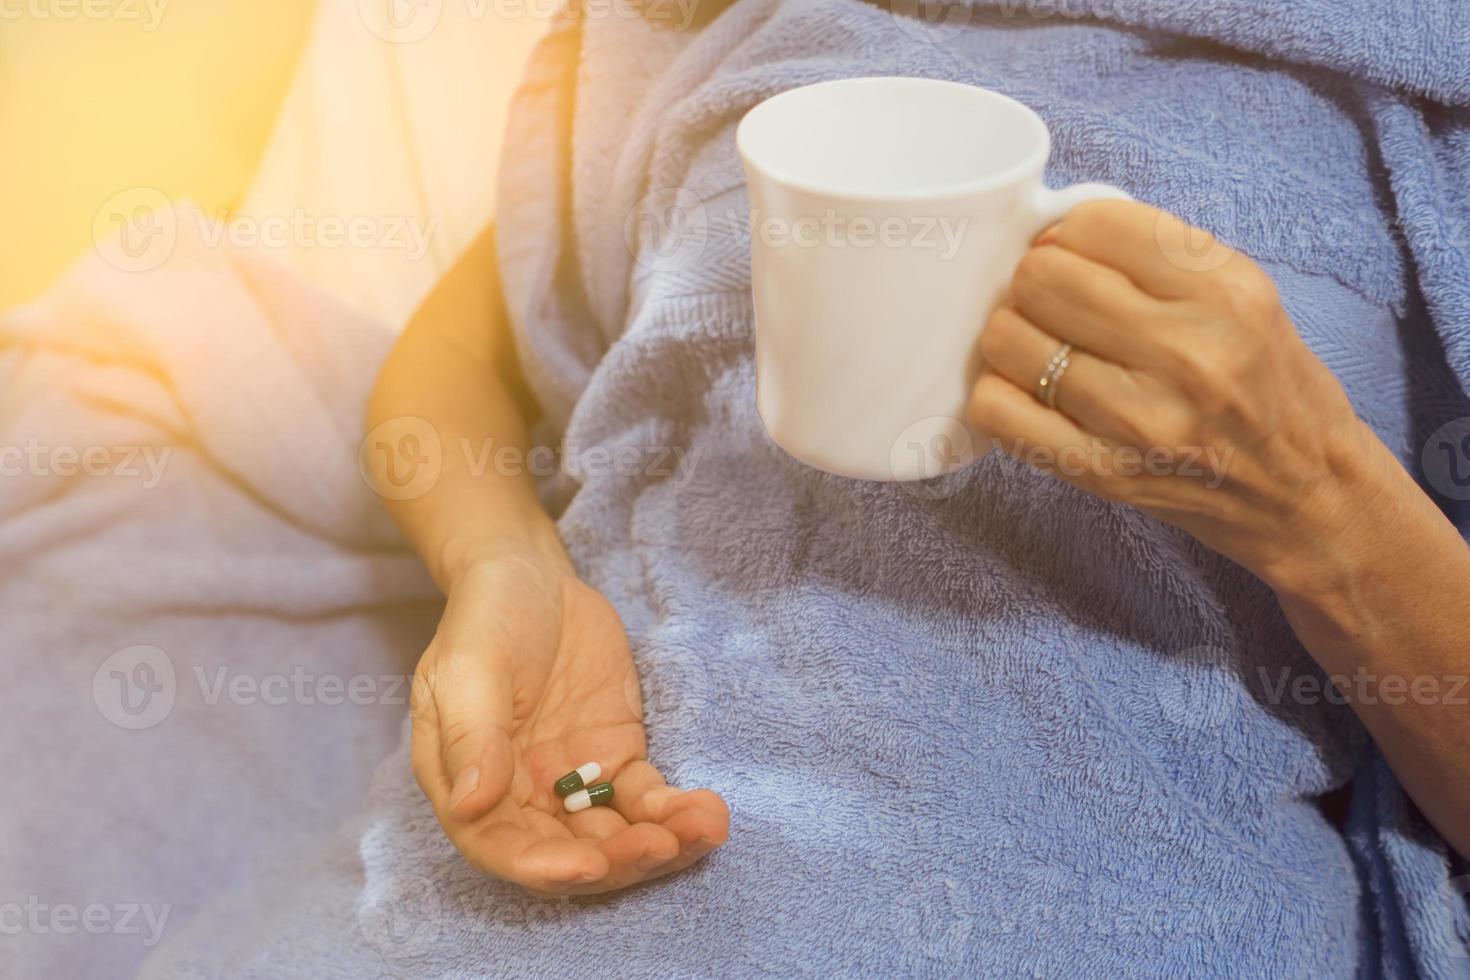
[1333, 534]
[533, 541]
[1347, 533]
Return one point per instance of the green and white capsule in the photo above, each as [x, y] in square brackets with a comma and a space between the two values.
[584, 775]
[598, 795]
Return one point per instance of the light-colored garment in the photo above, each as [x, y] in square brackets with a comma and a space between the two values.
[396, 114]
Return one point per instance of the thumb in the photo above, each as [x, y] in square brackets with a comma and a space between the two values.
[470, 727]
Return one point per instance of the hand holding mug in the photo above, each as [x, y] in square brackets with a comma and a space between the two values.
[1186, 392]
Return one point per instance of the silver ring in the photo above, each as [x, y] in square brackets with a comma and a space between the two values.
[1046, 388]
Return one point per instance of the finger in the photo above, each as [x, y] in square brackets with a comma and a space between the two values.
[686, 826]
[466, 717]
[638, 851]
[1083, 303]
[642, 796]
[1041, 437]
[530, 858]
[424, 751]
[1158, 252]
[637, 788]
[596, 823]
[633, 854]
[1099, 395]
[544, 823]
[698, 818]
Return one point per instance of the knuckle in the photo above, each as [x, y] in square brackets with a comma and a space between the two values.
[455, 730]
[1191, 361]
[1234, 361]
[1175, 428]
[421, 693]
[986, 399]
[1125, 420]
[1249, 293]
[999, 333]
[1102, 218]
[1034, 269]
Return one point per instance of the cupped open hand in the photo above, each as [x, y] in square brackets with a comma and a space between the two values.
[528, 677]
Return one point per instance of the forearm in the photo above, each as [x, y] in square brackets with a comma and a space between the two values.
[449, 370]
[1381, 604]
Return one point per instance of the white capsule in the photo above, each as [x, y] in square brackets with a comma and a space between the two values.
[598, 794]
[590, 772]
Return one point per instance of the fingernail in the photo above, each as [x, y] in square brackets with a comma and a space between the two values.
[649, 863]
[464, 784]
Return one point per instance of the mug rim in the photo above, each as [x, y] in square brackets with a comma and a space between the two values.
[1034, 163]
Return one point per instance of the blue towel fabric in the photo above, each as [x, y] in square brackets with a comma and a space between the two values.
[990, 725]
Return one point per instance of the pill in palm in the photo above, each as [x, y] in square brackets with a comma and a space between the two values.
[598, 795]
[580, 777]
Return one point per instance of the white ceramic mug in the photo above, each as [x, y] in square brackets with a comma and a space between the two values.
[887, 217]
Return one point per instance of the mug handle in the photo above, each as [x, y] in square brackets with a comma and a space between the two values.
[1051, 206]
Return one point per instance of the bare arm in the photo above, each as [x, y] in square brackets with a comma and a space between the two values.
[454, 367]
[1173, 356]
[529, 674]
[1380, 602]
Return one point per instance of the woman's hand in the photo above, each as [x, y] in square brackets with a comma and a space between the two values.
[528, 677]
[1187, 394]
